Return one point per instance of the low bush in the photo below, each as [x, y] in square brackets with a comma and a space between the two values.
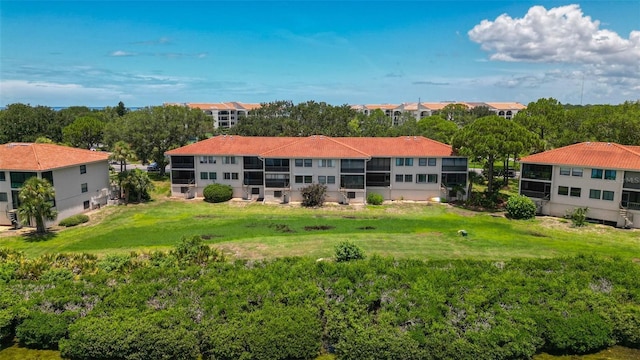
[578, 216]
[375, 199]
[42, 330]
[520, 207]
[313, 195]
[348, 251]
[74, 220]
[217, 193]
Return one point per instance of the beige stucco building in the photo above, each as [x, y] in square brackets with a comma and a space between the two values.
[80, 177]
[276, 168]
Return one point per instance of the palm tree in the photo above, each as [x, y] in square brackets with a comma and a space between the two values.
[122, 153]
[36, 197]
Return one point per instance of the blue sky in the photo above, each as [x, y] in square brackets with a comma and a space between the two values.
[97, 53]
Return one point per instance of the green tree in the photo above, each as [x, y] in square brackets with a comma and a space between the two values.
[84, 132]
[36, 196]
[122, 153]
[24, 123]
[121, 110]
[374, 124]
[458, 113]
[271, 119]
[436, 128]
[545, 118]
[152, 131]
[135, 184]
[493, 138]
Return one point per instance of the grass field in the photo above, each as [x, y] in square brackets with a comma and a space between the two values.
[255, 230]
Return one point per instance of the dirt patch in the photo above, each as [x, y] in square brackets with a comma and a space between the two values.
[318, 227]
[283, 228]
[367, 228]
[210, 236]
[205, 216]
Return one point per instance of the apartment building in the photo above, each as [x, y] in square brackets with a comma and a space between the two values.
[223, 115]
[277, 168]
[80, 177]
[604, 177]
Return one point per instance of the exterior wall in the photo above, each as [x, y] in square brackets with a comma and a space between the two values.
[412, 190]
[70, 200]
[5, 206]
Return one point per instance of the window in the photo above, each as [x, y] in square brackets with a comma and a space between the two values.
[565, 171]
[18, 178]
[404, 161]
[229, 160]
[432, 178]
[422, 162]
[83, 169]
[421, 178]
[352, 166]
[204, 176]
[431, 162]
[2, 178]
[227, 176]
[86, 204]
[575, 192]
[607, 195]
[379, 164]
[306, 179]
[3, 197]
[454, 164]
[84, 187]
[213, 176]
[351, 195]
[326, 163]
[576, 172]
[563, 190]
[610, 174]
[331, 179]
[279, 165]
[399, 178]
[255, 191]
[277, 194]
[596, 173]
[252, 163]
[408, 178]
[234, 176]
[594, 194]
[322, 179]
[207, 159]
[303, 162]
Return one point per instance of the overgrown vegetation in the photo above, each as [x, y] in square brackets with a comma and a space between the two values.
[313, 195]
[217, 193]
[186, 304]
[520, 207]
[578, 216]
[74, 220]
[375, 199]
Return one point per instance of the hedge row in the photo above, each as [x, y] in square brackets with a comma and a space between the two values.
[189, 303]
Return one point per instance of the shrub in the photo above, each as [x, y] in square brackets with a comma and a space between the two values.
[375, 199]
[216, 193]
[42, 330]
[578, 216]
[521, 207]
[347, 251]
[193, 251]
[313, 195]
[576, 333]
[74, 220]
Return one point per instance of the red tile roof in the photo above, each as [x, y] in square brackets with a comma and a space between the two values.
[590, 154]
[42, 157]
[317, 146]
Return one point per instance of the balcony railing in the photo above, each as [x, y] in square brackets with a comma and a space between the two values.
[630, 205]
[535, 194]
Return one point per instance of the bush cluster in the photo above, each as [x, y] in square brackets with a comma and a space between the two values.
[74, 220]
[188, 304]
[520, 207]
[348, 251]
[216, 193]
[375, 199]
[313, 195]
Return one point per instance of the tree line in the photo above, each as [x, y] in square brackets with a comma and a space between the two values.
[189, 303]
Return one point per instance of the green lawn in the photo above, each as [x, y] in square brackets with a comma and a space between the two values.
[254, 230]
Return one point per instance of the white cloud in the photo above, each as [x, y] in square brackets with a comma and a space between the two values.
[54, 94]
[562, 34]
[121, 53]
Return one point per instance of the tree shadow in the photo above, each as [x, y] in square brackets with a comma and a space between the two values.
[33, 237]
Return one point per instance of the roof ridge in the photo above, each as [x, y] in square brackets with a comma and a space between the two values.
[281, 146]
[35, 154]
[624, 147]
[348, 146]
